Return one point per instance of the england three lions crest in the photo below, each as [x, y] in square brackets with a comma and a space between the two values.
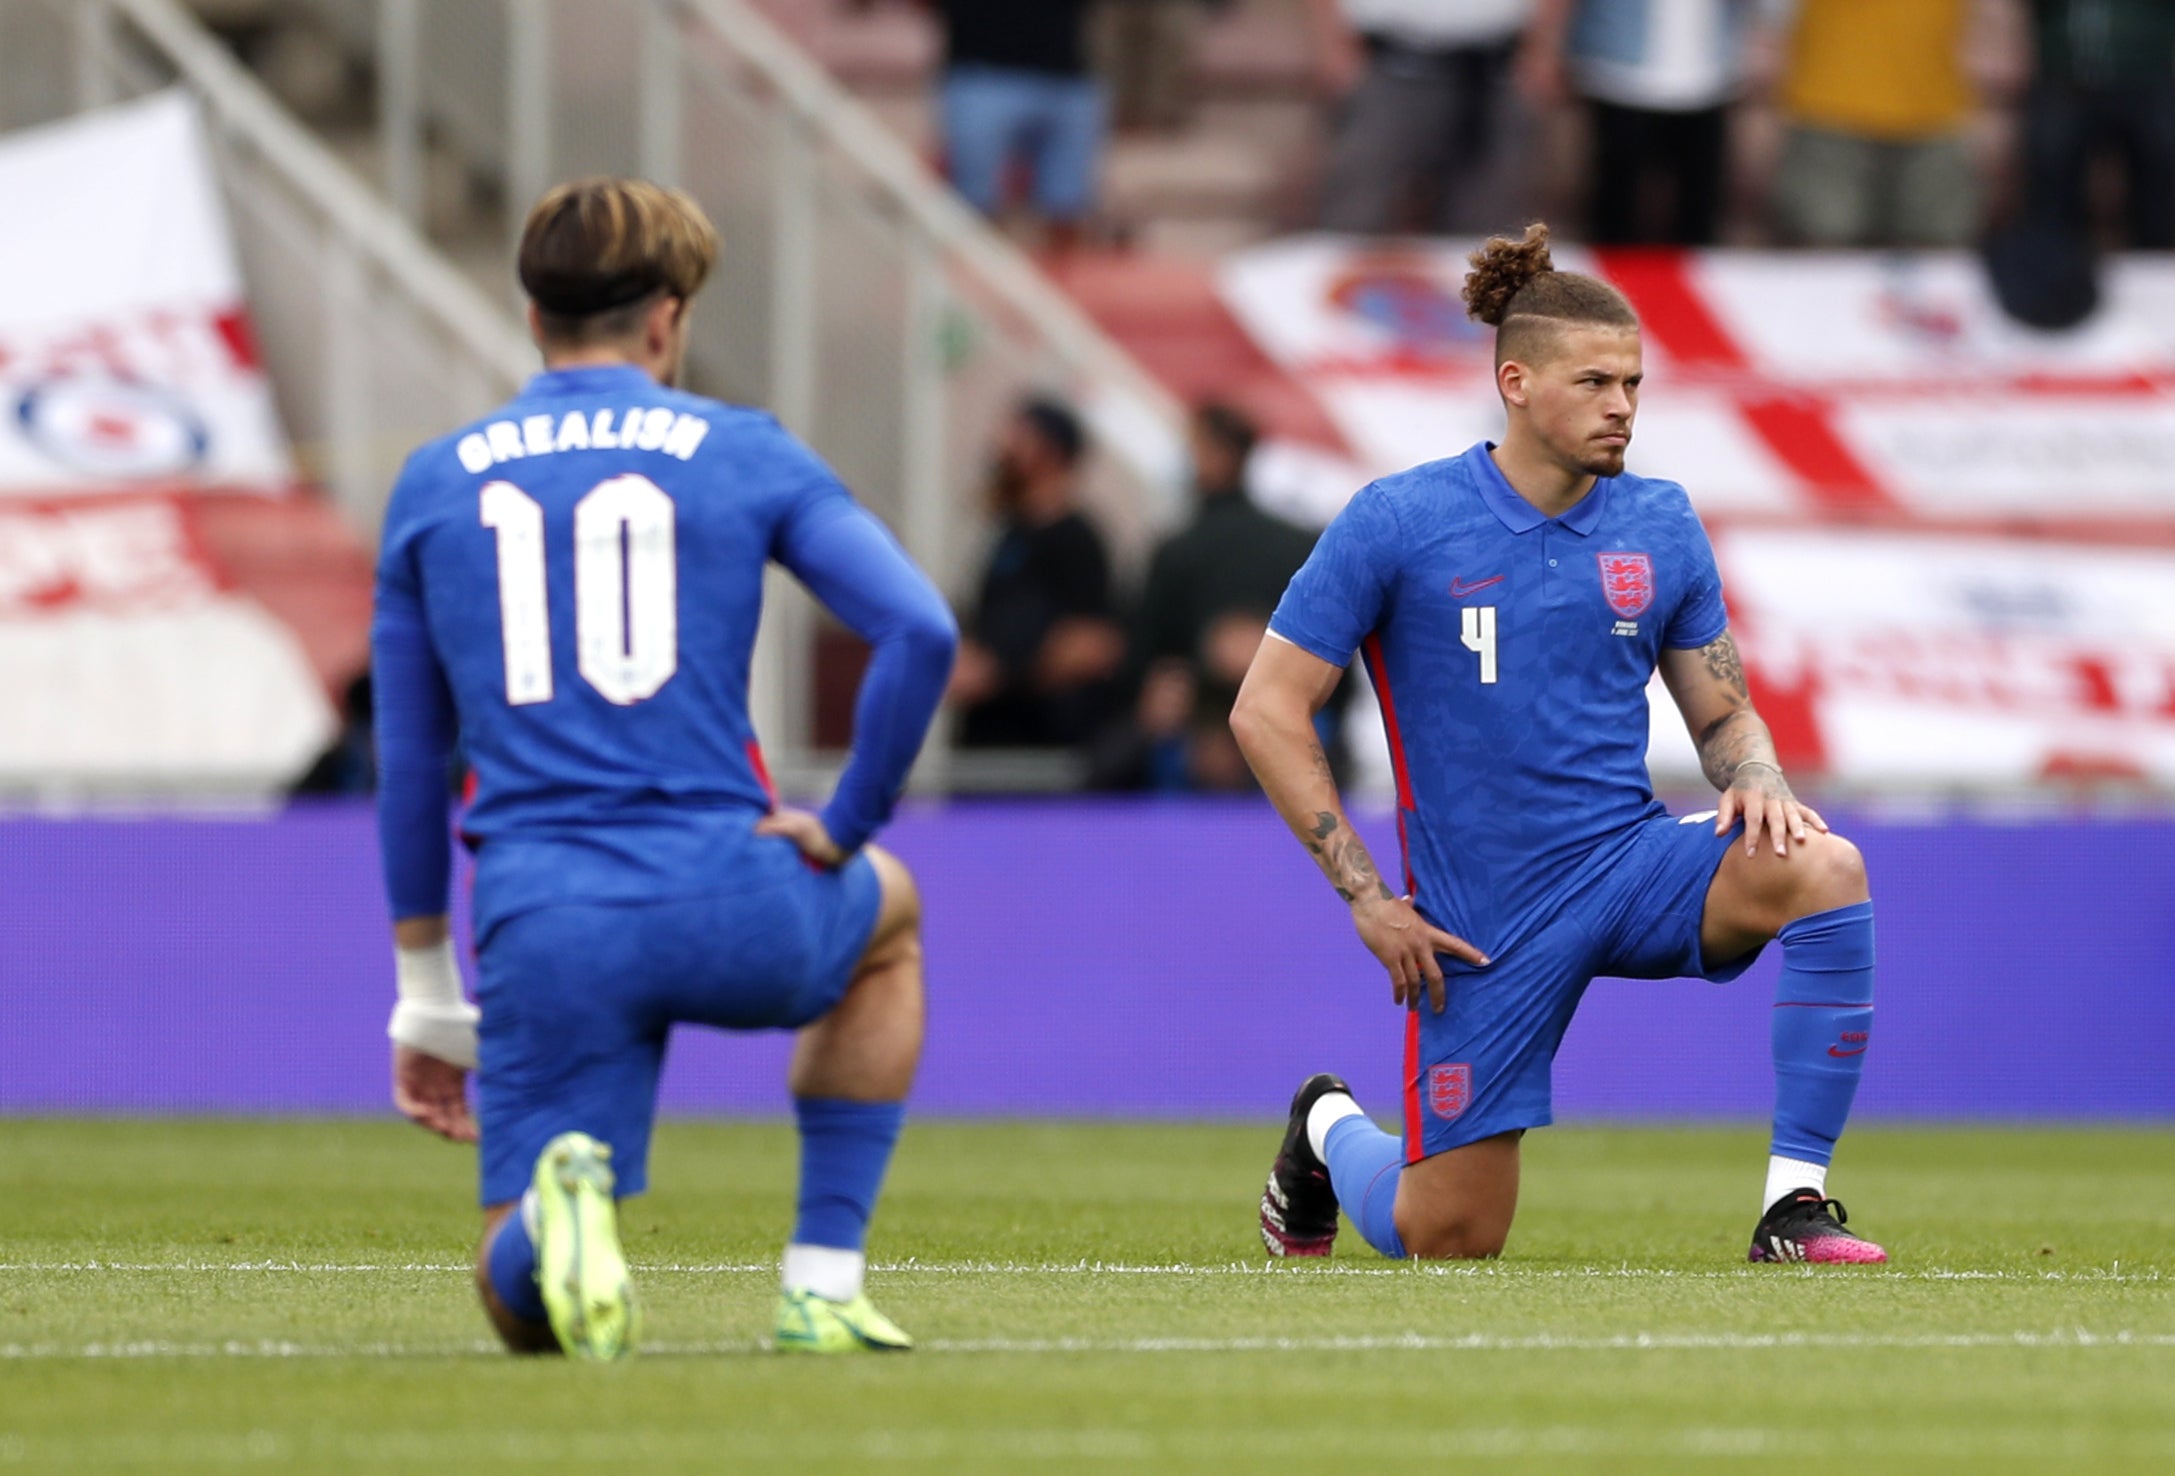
[1628, 581]
[1450, 1090]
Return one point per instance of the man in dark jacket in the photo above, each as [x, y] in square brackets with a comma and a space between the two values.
[2105, 83]
[1205, 608]
[1041, 647]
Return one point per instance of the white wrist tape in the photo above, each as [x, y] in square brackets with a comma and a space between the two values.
[432, 1016]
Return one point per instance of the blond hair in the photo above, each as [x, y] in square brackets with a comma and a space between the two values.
[595, 252]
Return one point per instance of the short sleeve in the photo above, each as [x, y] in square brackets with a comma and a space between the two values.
[1341, 593]
[1700, 617]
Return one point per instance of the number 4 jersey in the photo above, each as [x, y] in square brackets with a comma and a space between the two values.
[1511, 653]
[576, 580]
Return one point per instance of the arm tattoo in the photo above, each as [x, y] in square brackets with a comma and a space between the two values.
[1321, 761]
[1730, 741]
[1738, 737]
[1724, 665]
[1344, 860]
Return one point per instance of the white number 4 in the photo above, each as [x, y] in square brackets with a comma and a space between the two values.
[1479, 638]
[626, 590]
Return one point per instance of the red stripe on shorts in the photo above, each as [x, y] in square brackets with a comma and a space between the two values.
[1415, 1135]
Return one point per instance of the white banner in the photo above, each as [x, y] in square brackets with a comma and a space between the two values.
[1930, 658]
[1934, 642]
[126, 354]
[129, 386]
[1803, 383]
[131, 665]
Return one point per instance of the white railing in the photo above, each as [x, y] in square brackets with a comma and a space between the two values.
[373, 342]
[860, 293]
[859, 298]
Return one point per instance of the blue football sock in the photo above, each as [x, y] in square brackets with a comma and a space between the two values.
[1823, 1022]
[845, 1148]
[512, 1267]
[1364, 1164]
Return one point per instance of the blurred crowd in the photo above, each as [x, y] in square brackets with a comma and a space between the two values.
[1439, 108]
[1440, 113]
[1055, 656]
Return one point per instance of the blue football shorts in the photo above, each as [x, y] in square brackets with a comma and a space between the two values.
[1631, 910]
[577, 999]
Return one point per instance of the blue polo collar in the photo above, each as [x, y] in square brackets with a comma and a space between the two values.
[1521, 516]
[590, 379]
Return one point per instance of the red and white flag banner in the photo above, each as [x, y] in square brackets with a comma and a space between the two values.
[134, 666]
[130, 390]
[1933, 659]
[126, 354]
[1948, 541]
[1807, 384]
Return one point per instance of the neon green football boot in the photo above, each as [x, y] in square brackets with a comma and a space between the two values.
[579, 1266]
[808, 1323]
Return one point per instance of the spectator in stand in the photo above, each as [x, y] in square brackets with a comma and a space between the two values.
[2105, 78]
[1042, 649]
[1205, 609]
[1875, 99]
[1432, 137]
[350, 764]
[1143, 49]
[1658, 78]
[1018, 91]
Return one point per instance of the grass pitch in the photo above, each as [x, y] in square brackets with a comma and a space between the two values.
[191, 1295]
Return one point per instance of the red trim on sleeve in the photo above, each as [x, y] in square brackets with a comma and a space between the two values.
[1378, 670]
[762, 771]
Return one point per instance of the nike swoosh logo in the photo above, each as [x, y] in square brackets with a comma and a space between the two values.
[1459, 589]
[1858, 1052]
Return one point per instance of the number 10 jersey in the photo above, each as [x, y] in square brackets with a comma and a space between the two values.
[578, 577]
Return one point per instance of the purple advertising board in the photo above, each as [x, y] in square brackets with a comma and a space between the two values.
[1095, 958]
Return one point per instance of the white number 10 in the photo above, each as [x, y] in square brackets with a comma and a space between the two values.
[1479, 638]
[626, 590]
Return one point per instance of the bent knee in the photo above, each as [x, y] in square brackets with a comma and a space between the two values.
[1834, 875]
[899, 897]
[1459, 1235]
[1457, 1241]
[897, 934]
[494, 1215]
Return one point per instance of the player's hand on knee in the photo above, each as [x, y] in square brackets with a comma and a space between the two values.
[805, 831]
[1760, 795]
[432, 1094]
[1408, 947]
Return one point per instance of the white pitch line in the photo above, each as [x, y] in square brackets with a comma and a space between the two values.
[1484, 1272]
[1642, 1342]
[1549, 1342]
[210, 1268]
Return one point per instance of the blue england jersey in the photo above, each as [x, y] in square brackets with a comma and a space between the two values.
[575, 582]
[1511, 653]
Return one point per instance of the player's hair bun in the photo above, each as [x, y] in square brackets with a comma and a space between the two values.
[1501, 269]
